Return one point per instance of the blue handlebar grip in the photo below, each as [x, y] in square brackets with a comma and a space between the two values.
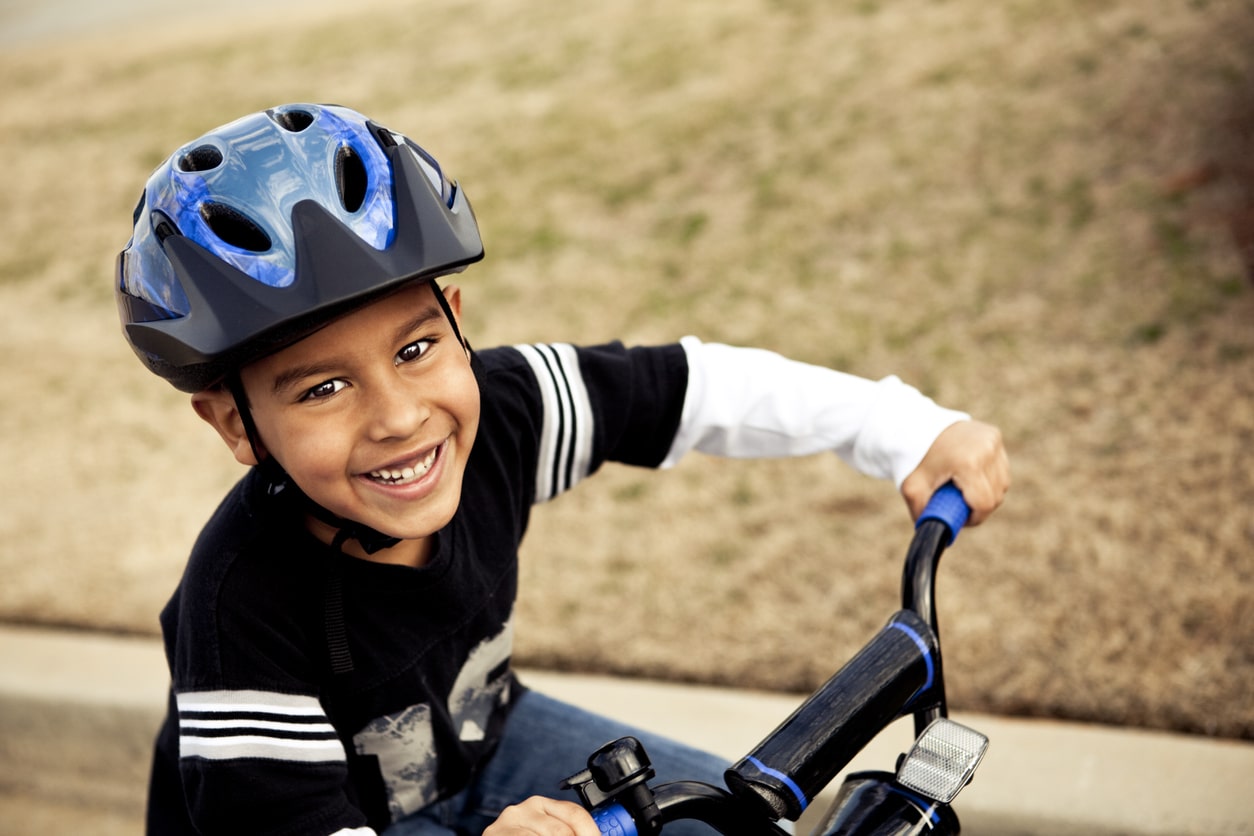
[948, 506]
[614, 820]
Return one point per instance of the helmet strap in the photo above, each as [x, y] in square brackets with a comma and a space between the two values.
[235, 385]
[279, 481]
[448, 313]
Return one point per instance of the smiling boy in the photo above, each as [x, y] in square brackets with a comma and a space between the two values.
[340, 642]
[372, 433]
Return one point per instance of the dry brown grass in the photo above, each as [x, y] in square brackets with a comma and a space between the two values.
[1027, 209]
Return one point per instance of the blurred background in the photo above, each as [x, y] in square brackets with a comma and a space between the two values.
[1040, 213]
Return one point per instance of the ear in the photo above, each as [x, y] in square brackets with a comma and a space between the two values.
[217, 408]
[453, 294]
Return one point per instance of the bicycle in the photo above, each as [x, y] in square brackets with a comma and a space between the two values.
[898, 672]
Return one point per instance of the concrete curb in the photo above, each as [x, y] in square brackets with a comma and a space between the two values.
[78, 712]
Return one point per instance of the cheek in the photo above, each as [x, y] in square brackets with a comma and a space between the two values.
[468, 404]
[316, 455]
[307, 449]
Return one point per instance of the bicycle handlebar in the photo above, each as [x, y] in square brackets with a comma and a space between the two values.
[894, 671]
[897, 672]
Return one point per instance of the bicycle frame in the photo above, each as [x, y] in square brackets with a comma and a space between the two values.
[897, 672]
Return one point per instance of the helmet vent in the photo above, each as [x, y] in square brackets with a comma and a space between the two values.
[350, 178]
[162, 226]
[386, 138]
[293, 120]
[200, 158]
[234, 227]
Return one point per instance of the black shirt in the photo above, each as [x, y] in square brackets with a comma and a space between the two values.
[269, 730]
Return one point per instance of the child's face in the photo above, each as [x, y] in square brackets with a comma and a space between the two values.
[374, 416]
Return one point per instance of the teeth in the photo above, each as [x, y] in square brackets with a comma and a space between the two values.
[405, 475]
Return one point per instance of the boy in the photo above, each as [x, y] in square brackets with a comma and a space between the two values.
[339, 645]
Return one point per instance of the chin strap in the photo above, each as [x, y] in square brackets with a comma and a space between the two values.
[448, 314]
[279, 482]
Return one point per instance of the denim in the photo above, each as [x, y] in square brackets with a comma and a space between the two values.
[545, 741]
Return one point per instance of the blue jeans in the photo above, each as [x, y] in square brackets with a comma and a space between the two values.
[545, 741]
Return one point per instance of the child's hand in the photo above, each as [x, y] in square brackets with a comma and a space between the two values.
[971, 454]
[544, 817]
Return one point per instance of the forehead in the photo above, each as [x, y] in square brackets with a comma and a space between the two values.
[380, 322]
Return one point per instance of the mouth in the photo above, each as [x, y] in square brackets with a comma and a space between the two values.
[408, 473]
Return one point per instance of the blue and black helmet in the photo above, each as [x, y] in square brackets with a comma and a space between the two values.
[264, 230]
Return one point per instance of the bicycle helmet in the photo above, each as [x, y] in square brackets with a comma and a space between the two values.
[265, 229]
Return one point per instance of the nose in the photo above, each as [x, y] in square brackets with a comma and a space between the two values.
[397, 409]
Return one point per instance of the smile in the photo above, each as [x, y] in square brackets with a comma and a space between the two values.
[408, 474]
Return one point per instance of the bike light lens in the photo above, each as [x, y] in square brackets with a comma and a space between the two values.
[942, 760]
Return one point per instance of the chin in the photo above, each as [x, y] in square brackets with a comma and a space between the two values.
[418, 529]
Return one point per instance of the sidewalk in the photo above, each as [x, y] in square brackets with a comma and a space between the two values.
[78, 712]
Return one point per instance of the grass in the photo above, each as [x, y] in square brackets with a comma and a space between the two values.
[1028, 210]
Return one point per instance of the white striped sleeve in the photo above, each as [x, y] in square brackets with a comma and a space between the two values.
[228, 725]
[566, 434]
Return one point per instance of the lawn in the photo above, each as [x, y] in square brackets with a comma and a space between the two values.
[1042, 213]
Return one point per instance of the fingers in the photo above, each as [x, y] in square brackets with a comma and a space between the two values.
[982, 470]
[544, 817]
[973, 456]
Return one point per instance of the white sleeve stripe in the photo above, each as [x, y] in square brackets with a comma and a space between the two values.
[566, 433]
[580, 439]
[356, 831]
[548, 399]
[229, 725]
[557, 424]
[255, 746]
[263, 702]
[261, 725]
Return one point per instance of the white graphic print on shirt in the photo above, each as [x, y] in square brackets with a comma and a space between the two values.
[404, 742]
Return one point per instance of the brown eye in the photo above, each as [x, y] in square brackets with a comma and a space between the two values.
[323, 390]
[413, 351]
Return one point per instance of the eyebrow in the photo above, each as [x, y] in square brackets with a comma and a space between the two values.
[288, 377]
[425, 317]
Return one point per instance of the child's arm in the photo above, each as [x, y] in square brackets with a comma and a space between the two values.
[744, 402]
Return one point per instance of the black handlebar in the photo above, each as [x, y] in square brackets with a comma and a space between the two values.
[898, 672]
[788, 769]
